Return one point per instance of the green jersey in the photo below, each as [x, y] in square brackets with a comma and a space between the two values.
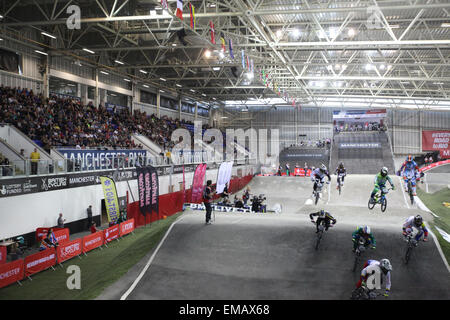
[381, 181]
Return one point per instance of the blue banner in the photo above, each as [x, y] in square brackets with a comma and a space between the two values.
[102, 159]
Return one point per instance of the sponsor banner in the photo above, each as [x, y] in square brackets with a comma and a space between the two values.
[434, 165]
[437, 141]
[111, 233]
[11, 272]
[92, 241]
[141, 189]
[61, 235]
[40, 261]
[20, 186]
[126, 227]
[303, 155]
[111, 199]
[42, 232]
[3, 253]
[201, 206]
[154, 180]
[197, 184]
[368, 145]
[147, 190]
[102, 159]
[222, 175]
[359, 114]
[69, 250]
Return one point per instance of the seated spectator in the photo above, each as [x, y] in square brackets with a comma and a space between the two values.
[49, 241]
[238, 203]
[16, 252]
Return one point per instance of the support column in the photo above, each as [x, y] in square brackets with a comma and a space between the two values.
[45, 78]
[179, 108]
[96, 93]
[196, 109]
[158, 103]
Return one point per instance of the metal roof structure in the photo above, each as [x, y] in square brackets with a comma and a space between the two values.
[366, 52]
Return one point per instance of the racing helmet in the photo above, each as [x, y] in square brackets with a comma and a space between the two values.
[323, 168]
[385, 265]
[341, 165]
[409, 158]
[418, 220]
[366, 229]
[384, 171]
[322, 213]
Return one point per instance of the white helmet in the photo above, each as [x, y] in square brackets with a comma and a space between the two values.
[366, 230]
[323, 168]
[384, 171]
[385, 265]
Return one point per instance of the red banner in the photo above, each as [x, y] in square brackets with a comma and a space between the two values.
[111, 233]
[126, 227]
[40, 261]
[434, 165]
[92, 241]
[62, 235]
[41, 232]
[3, 254]
[11, 272]
[197, 184]
[69, 250]
[437, 141]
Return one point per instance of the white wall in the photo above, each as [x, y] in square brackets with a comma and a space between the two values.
[23, 214]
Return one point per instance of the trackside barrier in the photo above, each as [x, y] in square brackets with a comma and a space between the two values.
[17, 270]
[434, 165]
[11, 272]
[62, 235]
[92, 241]
[40, 261]
[2, 255]
[69, 250]
[42, 232]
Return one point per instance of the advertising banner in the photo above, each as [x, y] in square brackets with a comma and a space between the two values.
[438, 140]
[148, 190]
[111, 199]
[101, 159]
[126, 227]
[92, 241]
[42, 232]
[367, 145]
[111, 233]
[3, 253]
[222, 175]
[11, 272]
[359, 114]
[154, 189]
[61, 235]
[434, 165]
[40, 261]
[141, 189]
[69, 250]
[197, 184]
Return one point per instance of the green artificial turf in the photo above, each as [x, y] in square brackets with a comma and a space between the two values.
[434, 202]
[99, 269]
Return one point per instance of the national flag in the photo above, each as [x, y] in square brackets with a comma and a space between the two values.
[192, 11]
[223, 42]
[164, 4]
[251, 65]
[230, 45]
[179, 12]
[211, 26]
[243, 59]
[248, 64]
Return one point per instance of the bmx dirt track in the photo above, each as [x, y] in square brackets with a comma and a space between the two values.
[272, 256]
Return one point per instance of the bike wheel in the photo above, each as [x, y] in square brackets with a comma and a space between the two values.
[371, 205]
[317, 198]
[408, 254]
[411, 197]
[355, 264]
[383, 204]
[319, 237]
[340, 189]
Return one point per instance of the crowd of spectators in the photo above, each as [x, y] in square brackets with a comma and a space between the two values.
[58, 121]
[321, 143]
[363, 126]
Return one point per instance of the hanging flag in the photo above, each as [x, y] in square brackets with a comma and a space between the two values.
[179, 12]
[192, 11]
[222, 40]
[230, 44]
[248, 64]
[164, 4]
[243, 59]
[251, 65]
[211, 26]
[111, 198]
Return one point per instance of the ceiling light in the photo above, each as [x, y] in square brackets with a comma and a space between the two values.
[351, 32]
[128, 80]
[203, 94]
[389, 67]
[162, 79]
[192, 90]
[45, 54]
[249, 75]
[48, 35]
[382, 67]
[394, 26]
[207, 54]
[216, 68]
[174, 44]
[438, 83]
[279, 33]
[404, 82]
[1, 39]
[87, 50]
[214, 98]
[333, 32]
[146, 86]
[368, 67]
[161, 91]
[445, 25]
[1, 17]
[296, 32]
[344, 66]
[179, 85]
[221, 55]
[104, 72]
[337, 66]
[143, 71]
[119, 62]
[321, 34]
[224, 117]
